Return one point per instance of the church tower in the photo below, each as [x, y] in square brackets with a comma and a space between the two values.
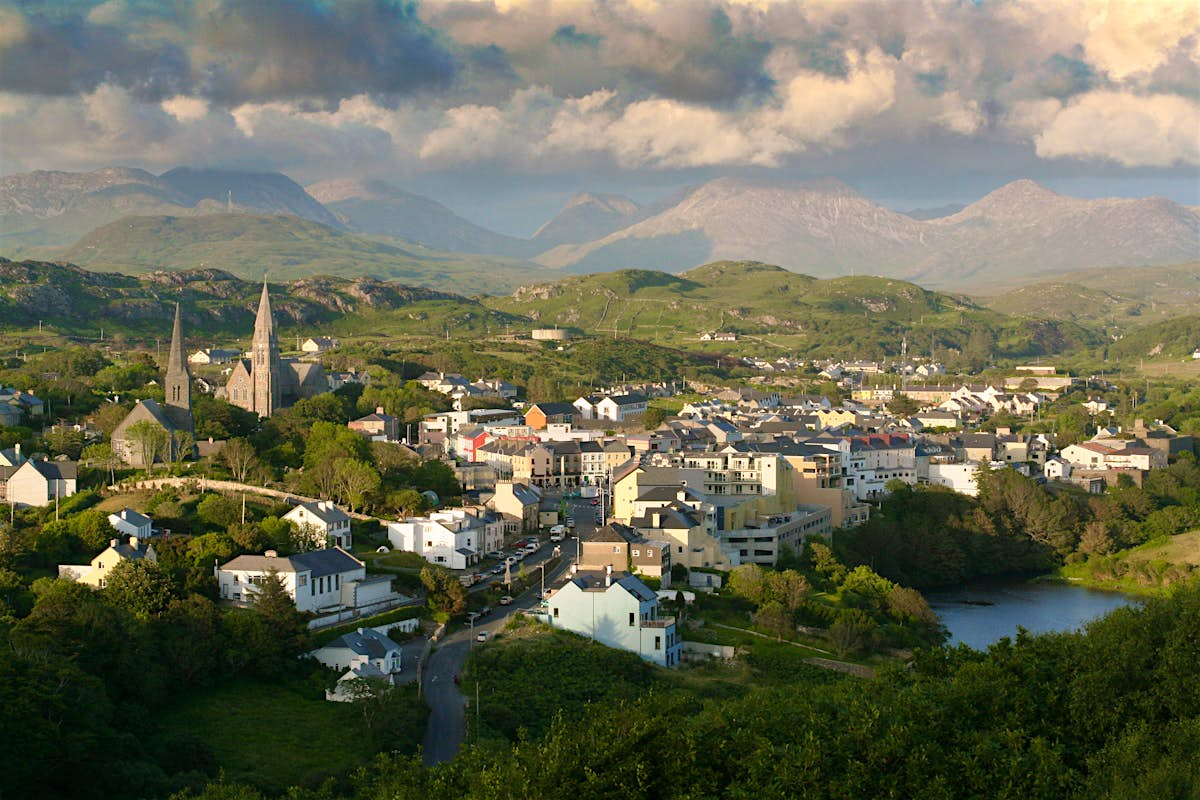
[178, 384]
[264, 360]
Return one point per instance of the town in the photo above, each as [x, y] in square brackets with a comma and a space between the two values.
[688, 524]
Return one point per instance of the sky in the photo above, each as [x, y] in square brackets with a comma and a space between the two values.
[505, 108]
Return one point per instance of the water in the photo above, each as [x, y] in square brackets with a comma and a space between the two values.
[1037, 607]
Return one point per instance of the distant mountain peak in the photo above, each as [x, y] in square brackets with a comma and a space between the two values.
[609, 202]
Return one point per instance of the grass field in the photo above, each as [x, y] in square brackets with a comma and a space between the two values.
[273, 735]
[1183, 548]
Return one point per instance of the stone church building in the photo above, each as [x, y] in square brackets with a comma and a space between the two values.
[174, 415]
[265, 383]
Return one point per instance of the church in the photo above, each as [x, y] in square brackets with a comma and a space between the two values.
[265, 383]
[174, 415]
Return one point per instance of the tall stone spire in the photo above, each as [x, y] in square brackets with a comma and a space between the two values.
[178, 384]
[264, 362]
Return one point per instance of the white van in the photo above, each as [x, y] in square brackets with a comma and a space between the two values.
[557, 533]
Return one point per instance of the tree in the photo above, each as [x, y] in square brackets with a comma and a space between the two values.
[108, 416]
[408, 502]
[775, 618]
[852, 631]
[183, 446]
[306, 537]
[103, 456]
[746, 581]
[62, 440]
[239, 455]
[275, 606]
[789, 588]
[354, 480]
[902, 405]
[150, 441]
[653, 417]
[445, 594]
[218, 510]
[141, 587]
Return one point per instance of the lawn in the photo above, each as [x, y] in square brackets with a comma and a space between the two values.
[1183, 548]
[271, 735]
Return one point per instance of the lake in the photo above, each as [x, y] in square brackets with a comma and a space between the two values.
[1036, 606]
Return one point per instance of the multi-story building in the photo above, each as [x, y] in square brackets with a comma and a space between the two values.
[378, 426]
[319, 581]
[617, 610]
[453, 538]
[325, 523]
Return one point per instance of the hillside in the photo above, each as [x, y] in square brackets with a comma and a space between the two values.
[1121, 298]
[47, 208]
[769, 305]
[1173, 338]
[78, 302]
[285, 248]
[826, 229]
[378, 208]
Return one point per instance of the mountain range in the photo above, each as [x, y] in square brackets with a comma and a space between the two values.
[1020, 232]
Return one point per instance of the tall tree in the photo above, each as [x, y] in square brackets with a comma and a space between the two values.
[141, 587]
[150, 440]
[240, 457]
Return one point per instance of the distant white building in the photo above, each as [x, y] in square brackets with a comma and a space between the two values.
[131, 523]
[364, 653]
[318, 344]
[621, 407]
[453, 538]
[617, 610]
[320, 581]
[324, 518]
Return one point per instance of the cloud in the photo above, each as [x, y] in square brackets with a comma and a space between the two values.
[538, 86]
[1135, 131]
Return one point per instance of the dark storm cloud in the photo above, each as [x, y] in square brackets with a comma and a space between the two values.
[230, 51]
[718, 70]
[61, 52]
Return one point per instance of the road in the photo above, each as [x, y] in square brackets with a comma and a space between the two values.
[444, 731]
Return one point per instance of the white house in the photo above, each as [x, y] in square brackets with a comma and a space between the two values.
[318, 581]
[38, 483]
[453, 537]
[621, 407]
[324, 519]
[1056, 469]
[131, 523]
[365, 653]
[617, 610]
[318, 344]
[959, 477]
[586, 406]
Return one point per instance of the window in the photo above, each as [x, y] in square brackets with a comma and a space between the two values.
[632, 618]
[301, 580]
[658, 643]
[556, 612]
[681, 548]
[637, 552]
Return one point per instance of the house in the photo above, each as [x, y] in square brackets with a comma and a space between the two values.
[318, 344]
[329, 524]
[378, 426]
[318, 581]
[10, 415]
[621, 407]
[586, 406]
[364, 653]
[12, 456]
[131, 523]
[213, 355]
[38, 483]
[623, 547]
[617, 610]
[22, 401]
[539, 415]
[517, 504]
[496, 388]
[336, 380]
[454, 537]
[95, 574]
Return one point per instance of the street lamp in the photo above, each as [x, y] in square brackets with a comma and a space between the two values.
[542, 596]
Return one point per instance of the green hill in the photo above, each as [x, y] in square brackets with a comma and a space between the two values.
[1172, 338]
[79, 302]
[764, 304]
[284, 248]
[1115, 298]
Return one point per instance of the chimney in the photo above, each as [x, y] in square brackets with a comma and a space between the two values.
[379, 409]
[113, 542]
[270, 554]
[608, 575]
[133, 542]
[656, 520]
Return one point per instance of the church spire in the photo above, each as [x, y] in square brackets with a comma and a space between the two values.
[264, 364]
[178, 384]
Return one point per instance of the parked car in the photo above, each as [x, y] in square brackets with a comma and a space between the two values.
[495, 554]
[482, 636]
[506, 600]
[498, 570]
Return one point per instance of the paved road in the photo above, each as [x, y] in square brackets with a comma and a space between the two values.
[444, 732]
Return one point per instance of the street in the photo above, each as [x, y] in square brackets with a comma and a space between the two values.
[445, 729]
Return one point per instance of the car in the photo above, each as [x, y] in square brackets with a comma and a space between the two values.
[596, 502]
[498, 570]
[531, 548]
[495, 554]
[485, 611]
[473, 615]
[506, 600]
[482, 636]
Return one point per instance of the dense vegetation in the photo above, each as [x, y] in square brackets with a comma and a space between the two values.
[931, 536]
[1109, 714]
